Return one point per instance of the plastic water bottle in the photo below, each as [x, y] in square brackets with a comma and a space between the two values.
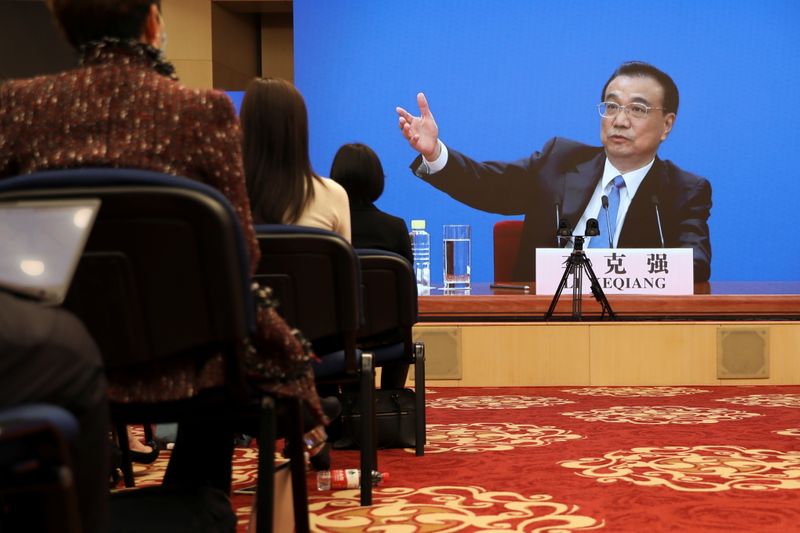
[421, 247]
[349, 478]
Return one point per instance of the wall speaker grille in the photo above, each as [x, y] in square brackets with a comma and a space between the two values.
[442, 351]
[742, 353]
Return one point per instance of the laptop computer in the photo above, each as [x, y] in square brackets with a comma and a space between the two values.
[41, 242]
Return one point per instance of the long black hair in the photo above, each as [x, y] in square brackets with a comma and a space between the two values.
[280, 180]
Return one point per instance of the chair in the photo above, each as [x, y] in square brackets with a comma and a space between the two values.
[507, 236]
[390, 312]
[315, 277]
[164, 274]
[37, 490]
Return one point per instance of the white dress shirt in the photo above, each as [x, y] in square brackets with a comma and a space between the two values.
[632, 179]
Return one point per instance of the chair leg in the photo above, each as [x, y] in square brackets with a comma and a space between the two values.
[126, 464]
[148, 433]
[369, 460]
[419, 384]
[295, 448]
[265, 488]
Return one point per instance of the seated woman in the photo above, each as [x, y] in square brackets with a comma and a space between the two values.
[281, 184]
[123, 107]
[357, 168]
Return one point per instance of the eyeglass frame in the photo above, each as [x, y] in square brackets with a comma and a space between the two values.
[627, 109]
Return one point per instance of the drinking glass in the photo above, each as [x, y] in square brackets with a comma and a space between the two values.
[457, 241]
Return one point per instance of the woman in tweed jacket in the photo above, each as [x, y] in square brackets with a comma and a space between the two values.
[123, 107]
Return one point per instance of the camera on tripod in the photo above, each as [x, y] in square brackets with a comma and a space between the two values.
[575, 265]
[565, 231]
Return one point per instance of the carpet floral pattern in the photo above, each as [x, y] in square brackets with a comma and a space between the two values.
[660, 414]
[559, 459]
[696, 468]
[446, 508]
[486, 437]
[635, 392]
[766, 400]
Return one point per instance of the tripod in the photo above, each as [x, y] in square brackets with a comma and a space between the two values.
[576, 263]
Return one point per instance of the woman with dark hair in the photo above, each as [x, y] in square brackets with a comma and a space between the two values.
[282, 186]
[123, 107]
[357, 168]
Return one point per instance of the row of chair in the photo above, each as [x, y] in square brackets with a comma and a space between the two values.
[165, 274]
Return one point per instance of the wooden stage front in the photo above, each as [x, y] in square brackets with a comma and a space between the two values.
[729, 300]
[498, 337]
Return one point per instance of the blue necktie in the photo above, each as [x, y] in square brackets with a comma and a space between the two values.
[601, 241]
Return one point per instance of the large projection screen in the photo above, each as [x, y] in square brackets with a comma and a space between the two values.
[502, 77]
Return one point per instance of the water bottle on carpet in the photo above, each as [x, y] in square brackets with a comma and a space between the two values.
[421, 248]
[349, 478]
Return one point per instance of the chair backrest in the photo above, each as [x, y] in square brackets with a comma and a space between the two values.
[389, 291]
[165, 270]
[507, 236]
[315, 277]
[35, 461]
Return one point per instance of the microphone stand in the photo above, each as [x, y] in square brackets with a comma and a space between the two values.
[604, 201]
[576, 263]
[654, 199]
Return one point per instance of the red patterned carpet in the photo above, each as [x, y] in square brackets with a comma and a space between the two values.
[621, 459]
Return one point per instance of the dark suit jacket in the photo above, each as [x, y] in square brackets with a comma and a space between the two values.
[372, 228]
[566, 172]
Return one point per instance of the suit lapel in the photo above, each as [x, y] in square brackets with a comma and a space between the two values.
[579, 184]
[644, 231]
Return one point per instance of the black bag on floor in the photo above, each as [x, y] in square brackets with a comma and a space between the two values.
[395, 411]
[167, 509]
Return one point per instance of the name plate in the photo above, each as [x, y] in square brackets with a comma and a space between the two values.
[666, 271]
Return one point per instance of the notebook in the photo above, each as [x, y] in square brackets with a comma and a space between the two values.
[41, 242]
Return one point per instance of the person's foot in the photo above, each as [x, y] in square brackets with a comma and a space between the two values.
[144, 453]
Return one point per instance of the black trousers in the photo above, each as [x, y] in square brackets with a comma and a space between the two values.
[46, 355]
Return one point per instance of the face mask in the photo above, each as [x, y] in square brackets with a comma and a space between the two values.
[162, 36]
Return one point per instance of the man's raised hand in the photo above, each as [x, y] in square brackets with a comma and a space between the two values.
[421, 132]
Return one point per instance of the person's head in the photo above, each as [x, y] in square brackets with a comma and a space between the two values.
[357, 168]
[275, 150]
[84, 21]
[632, 135]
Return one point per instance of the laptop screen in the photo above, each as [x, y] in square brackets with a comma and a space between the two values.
[41, 242]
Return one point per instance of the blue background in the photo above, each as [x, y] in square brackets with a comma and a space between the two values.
[503, 77]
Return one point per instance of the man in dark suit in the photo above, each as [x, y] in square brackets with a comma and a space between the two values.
[639, 104]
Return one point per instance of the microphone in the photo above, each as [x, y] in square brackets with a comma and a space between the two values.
[654, 199]
[604, 200]
[592, 228]
[564, 229]
[558, 225]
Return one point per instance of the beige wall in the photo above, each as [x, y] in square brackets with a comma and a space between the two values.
[221, 43]
[277, 45]
[235, 48]
[189, 45]
[610, 353]
[225, 44]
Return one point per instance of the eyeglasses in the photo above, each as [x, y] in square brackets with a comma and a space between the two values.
[635, 109]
